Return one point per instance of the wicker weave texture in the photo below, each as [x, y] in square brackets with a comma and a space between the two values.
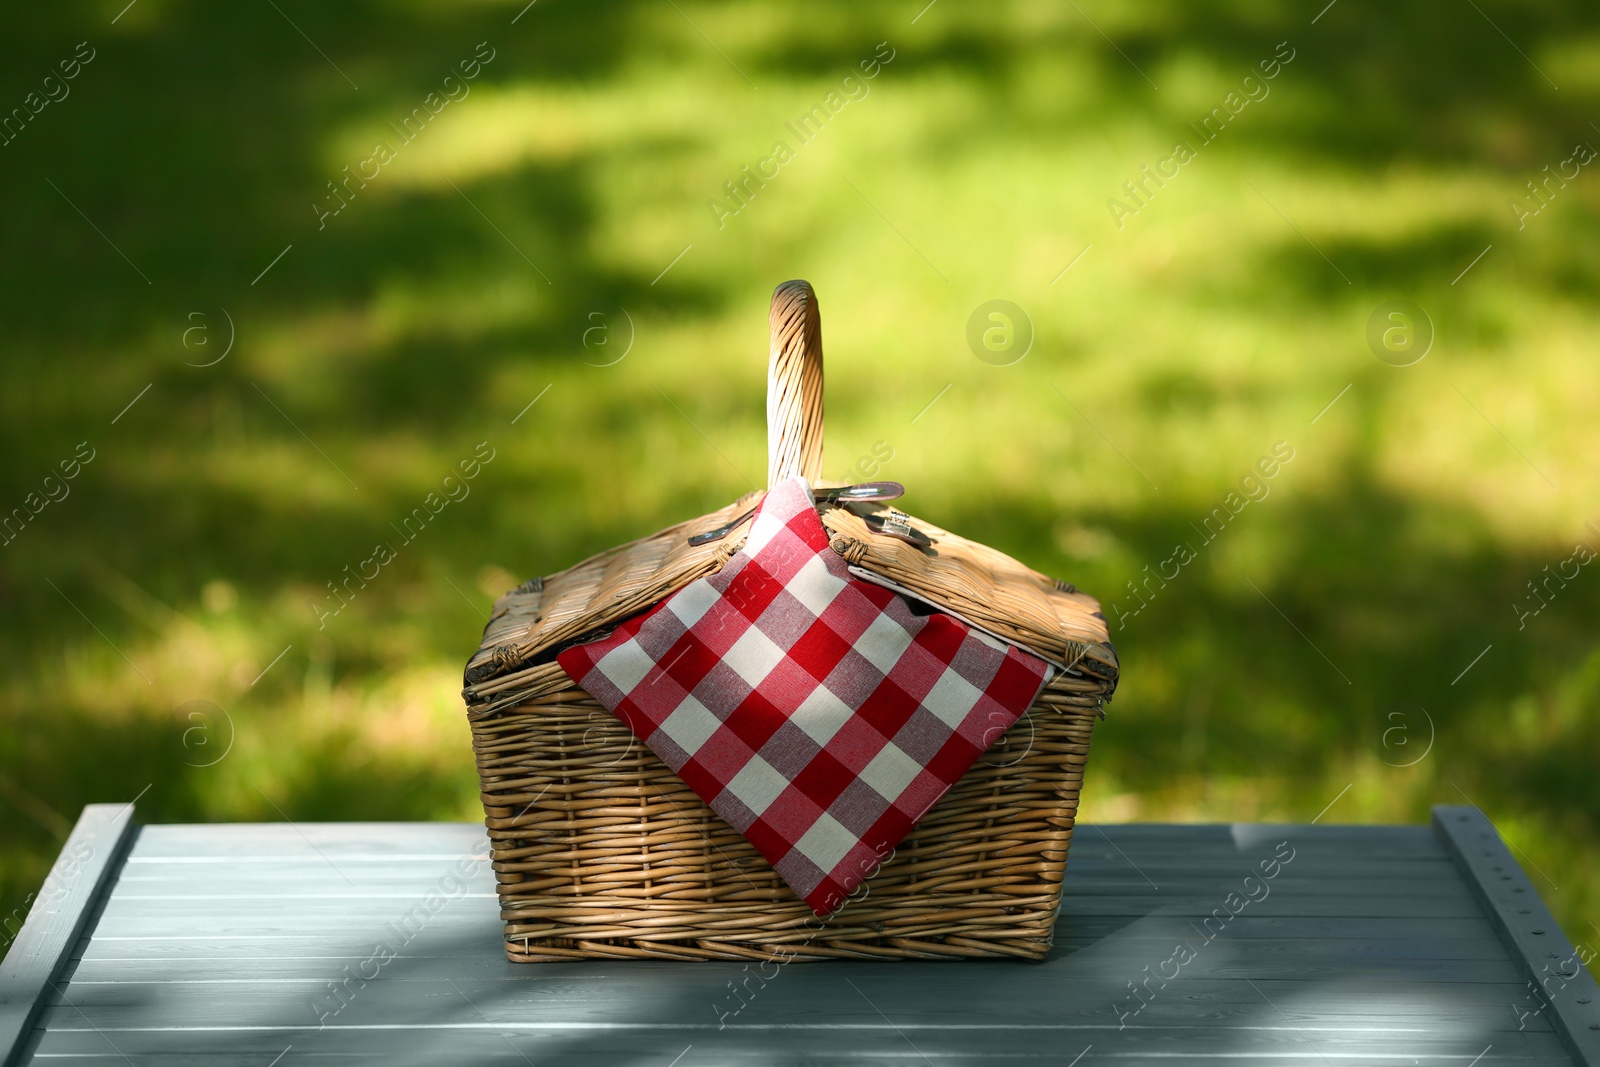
[601, 851]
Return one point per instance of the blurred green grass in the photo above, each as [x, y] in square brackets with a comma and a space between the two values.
[1315, 645]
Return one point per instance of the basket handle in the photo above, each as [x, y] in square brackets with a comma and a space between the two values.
[794, 385]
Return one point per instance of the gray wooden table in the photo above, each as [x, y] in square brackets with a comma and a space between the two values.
[285, 944]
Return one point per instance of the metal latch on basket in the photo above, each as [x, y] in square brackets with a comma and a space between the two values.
[842, 495]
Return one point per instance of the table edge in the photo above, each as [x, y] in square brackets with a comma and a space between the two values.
[1505, 891]
[96, 847]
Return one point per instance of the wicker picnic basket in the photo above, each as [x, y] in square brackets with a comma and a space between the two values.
[601, 851]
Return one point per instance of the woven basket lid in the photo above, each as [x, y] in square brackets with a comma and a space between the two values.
[978, 584]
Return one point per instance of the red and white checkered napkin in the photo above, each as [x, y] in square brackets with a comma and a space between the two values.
[816, 712]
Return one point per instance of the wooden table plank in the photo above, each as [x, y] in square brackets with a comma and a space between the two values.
[1381, 991]
[58, 915]
[1289, 964]
[261, 842]
[454, 1035]
[495, 1053]
[1286, 958]
[810, 996]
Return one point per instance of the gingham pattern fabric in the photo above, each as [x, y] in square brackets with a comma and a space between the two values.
[817, 713]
